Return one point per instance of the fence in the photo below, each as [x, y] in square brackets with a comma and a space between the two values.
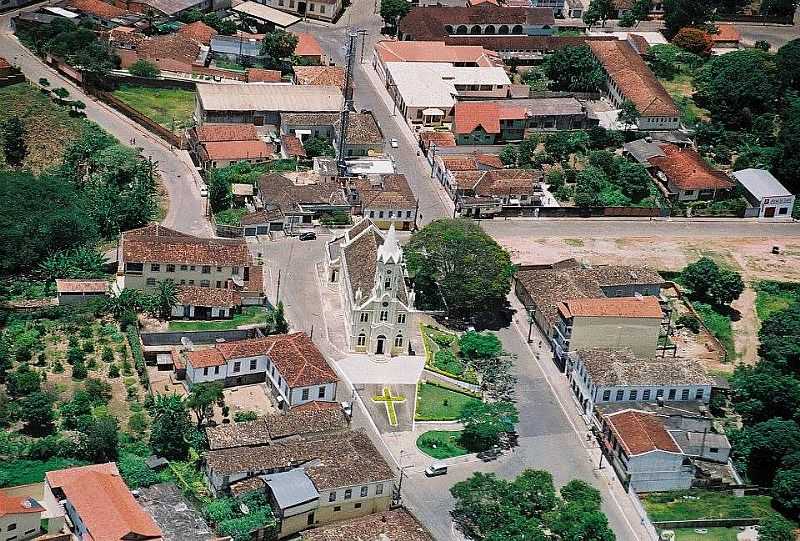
[707, 523]
[756, 19]
[583, 212]
[172, 138]
[173, 338]
[159, 82]
[229, 231]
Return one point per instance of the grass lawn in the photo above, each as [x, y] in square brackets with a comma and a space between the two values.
[773, 297]
[719, 325]
[713, 534]
[170, 107]
[441, 444]
[453, 366]
[251, 315]
[230, 216]
[709, 504]
[24, 472]
[436, 403]
[48, 127]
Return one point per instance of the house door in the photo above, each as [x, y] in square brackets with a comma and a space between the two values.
[301, 8]
[769, 212]
[379, 349]
[187, 311]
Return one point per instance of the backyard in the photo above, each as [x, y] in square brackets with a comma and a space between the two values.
[438, 403]
[773, 297]
[441, 444]
[251, 315]
[704, 504]
[170, 107]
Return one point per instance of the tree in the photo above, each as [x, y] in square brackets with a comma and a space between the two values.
[80, 262]
[574, 69]
[165, 298]
[23, 381]
[534, 493]
[278, 45]
[682, 13]
[559, 145]
[36, 412]
[527, 149]
[457, 259]
[634, 180]
[485, 424]
[144, 68]
[694, 40]
[474, 345]
[509, 155]
[640, 10]
[738, 86]
[774, 527]
[778, 339]
[75, 412]
[536, 79]
[318, 146]
[581, 493]
[707, 281]
[61, 92]
[787, 61]
[277, 320]
[628, 114]
[759, 449]
[599, 10]
[787, 163]
[14, 146]
[779, 8]
[44, 82]
[170, 428]
[99, 441]
[136, 472]
[393, 10]
[762, 392]
[203, 398]
[786, 491]
[8, 412]
[576, 523]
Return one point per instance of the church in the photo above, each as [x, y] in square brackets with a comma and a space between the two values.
[368, 265]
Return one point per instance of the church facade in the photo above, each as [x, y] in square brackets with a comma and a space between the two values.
[369, 267]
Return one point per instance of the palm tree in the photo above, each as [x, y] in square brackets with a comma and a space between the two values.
[129, 300]
[166, 297]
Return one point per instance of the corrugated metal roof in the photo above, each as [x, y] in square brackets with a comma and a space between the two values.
[266, 13]
[760, 183]
[270, 97]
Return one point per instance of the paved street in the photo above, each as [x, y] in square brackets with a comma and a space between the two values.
[179, 177]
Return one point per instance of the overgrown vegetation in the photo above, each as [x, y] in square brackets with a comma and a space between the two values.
[170, 107]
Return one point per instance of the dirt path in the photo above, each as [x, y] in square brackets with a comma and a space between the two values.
[745, 330]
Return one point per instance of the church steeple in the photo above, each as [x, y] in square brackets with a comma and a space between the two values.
[390, 251]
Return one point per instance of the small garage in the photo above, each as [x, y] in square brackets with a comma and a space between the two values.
[768, 198]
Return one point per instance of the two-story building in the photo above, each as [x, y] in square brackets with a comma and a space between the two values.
[485, 20]
[446, 166]
[370, 269]
[99, 504]
[20, 517]
[309, 481]
[600, 322]
[602, 375]
[364, 136]
[295, 369]
[482, 194]
[386, 200]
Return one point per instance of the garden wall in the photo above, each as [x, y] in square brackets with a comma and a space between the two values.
[583, 212]
[707, 523]
[762, 19]
[150, 82]
[173, 338]
[173, 139]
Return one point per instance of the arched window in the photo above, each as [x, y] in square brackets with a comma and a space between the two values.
[384, 315]
[517, 29]
[503, 29]
[489, 29]
[475, 30]
[461, 29]
[362, 339]
[398, 340]
[448, 28]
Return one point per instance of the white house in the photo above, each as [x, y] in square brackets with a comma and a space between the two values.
[768, 198]
[600, 375]
[291, 363]
[20, 517]
[376, 301]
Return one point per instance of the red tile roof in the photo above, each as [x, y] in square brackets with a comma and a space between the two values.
[633, 307]
[422, 22]
[259, 75]
[307, 45]
[434, 51]
[442, 139]
[4, 63]
[320, 75]
[631, 75]
[726, 32]
[98, 8]
[237, 150]
[317, 405]
[81, 286]
[469, 115]
[209, 296]
[158, 244]
[203, 358]
[292, 146]
[471, 162]
[199, 32]
[686, 169]
[226, 132]
[104, 503]
[13, 505]
[641, 432]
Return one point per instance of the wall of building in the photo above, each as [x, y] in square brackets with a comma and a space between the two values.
[179, 311]
[325, 393]
[202, 375]
[659, 471]
[78, 298]
[25, 526]
[193, 275]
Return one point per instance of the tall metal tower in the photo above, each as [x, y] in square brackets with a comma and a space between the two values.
[344, 120]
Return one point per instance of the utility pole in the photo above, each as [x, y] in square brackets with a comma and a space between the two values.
[344, 120]
[433, 157]
[278, 292]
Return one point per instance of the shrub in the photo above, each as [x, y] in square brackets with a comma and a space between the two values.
[443, 340]
[694, 40]
[58, 366]
[138, 422]
[143, 68]
[79, 371]
[688, 321]
[88, 347]
[113, 371]
[445, 360]
[243, 416]
[108, 355]
[135, 471]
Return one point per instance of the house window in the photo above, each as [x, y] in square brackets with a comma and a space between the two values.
[205, 283]
[408, 214]
[280, 3]
[713, 450]
[205, 371]
[379, 490]
[206, 269]
[783, 210]
[310, 7]
[660, 393]
[151, 281]
[632, 395]
[219, 284]
[310, 521]
[237, 366]
[234, 270]
[620, 395]
[321, 393]
[646, 394]
[337, 508]
[672, 394]
[384, 315]
[364, 491]
[12, 526]
[401, 318]
[219, 269]
[332, 497]
[364, 317]
[280, 381]
[184, 267]
[362, 339]
[191, 282]
[606, 396]
[183, 282]
[170, 268]
[688, 192]
[372, 214]
[685, 394]
[134, 268]
[253, 364]
[322, 8]
[398, 341]
[391, 214]
[380, 214]
[291, 3]
[699, 394]
[216, 369]
[304, 395]
[357, 506]
[387, 284]
[348, 493]
[191, 268]
[155, 267]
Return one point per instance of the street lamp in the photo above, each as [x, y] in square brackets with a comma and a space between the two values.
[531, 313]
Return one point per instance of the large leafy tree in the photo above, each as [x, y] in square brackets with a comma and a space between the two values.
[457, 258]
[759, 449]
[762, 392]
[628, 114]
[165, 298]
[776, 528]
[99, 441]
[392, 11]
[485, 424]
[485, 345]
[171, 427]
[779, 8]
[574, 69]
[738, 86]
[634, 180]
[37, 413]
[599, 10]
[682, 13]
[786, 491]
[787, 60]
[779, 339]
[707, 281]
[787, 163]
[694, 40]
[203, 398]
[14, 147]
[278, 45]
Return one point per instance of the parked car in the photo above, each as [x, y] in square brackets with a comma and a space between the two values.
[308, 235]
[490, 454]
[393, 142]
[437, 468]
[203, 192]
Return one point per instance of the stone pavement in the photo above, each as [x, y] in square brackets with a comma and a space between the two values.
[367, 369]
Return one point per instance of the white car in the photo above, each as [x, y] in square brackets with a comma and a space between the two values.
[393, 142]
[203, 192]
